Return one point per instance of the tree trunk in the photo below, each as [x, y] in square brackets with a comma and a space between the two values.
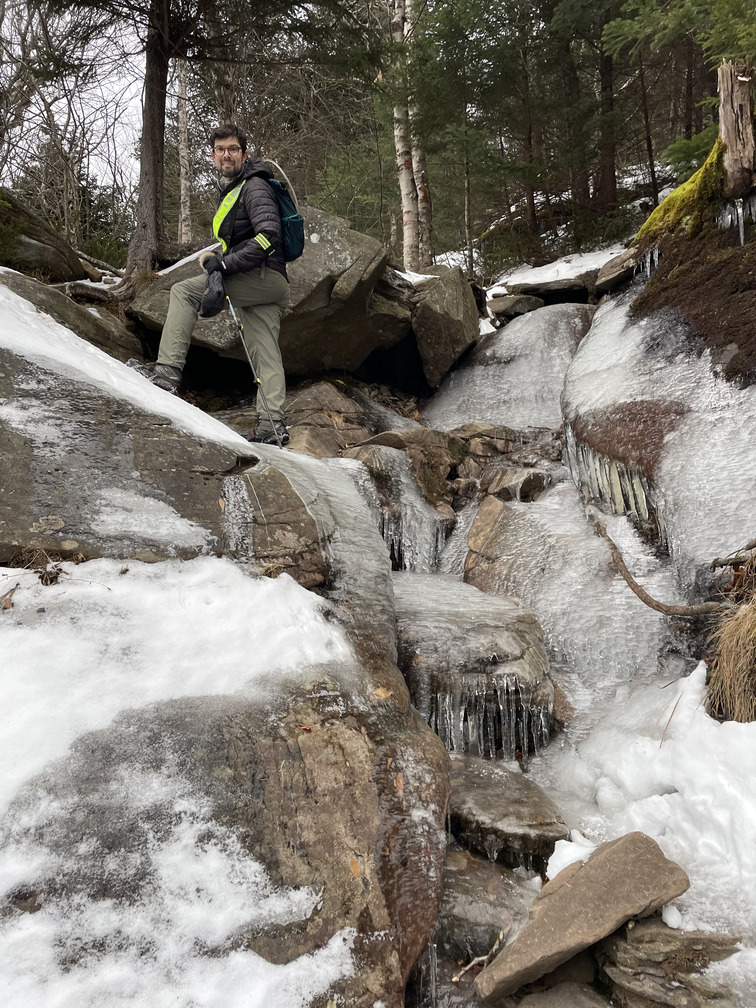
[647, 129]
[422, 188]
[149, 234]
[403, 146]
[736, 128]
[419, 164]
[185, 198]
[606, 184]
[528, 155]
[469, 251]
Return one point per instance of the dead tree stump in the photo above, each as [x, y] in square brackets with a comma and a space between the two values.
[736, 128]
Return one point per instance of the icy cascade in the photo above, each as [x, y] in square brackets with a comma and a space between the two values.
[413, 530]
[515, 376]
[623, 489]
[705, 433]
[475, 666]
[599, 636]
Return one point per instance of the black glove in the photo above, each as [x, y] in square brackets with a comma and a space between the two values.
[213, 264]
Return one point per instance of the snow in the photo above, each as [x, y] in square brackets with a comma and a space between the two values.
[561, 269]
[657, 763]
[104, 639]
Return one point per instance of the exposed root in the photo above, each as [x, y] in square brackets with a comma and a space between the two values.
[652, 603]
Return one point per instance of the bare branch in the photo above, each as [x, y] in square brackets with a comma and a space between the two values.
[667, 610]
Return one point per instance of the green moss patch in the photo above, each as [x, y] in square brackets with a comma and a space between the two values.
[691, 206]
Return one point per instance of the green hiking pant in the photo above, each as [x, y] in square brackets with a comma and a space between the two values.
[259, 299]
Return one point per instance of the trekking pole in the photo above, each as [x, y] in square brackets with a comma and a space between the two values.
[257, 381]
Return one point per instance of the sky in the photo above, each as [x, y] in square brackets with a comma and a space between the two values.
[652, 760]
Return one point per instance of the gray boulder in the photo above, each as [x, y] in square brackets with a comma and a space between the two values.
[651, 964]
[332, 323]
[508, 306]
[618, 271]
[566, 995]
[624, 878]
[29, 245]
[445, 322]
[503, 814]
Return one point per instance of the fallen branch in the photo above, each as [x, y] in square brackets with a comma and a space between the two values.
[668, 610]
[480, 960]
[99, 263]
[734, 558]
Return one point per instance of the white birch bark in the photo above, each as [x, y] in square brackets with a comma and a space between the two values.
[185, 200]
[419, 165]
[403, 147]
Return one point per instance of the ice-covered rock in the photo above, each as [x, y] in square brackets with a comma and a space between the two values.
[656, 430]
[514, 376]
[546, 553]
[475, 665]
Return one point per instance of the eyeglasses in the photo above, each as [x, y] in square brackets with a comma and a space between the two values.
[227, 150]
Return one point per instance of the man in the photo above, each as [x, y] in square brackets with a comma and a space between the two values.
[252, 265]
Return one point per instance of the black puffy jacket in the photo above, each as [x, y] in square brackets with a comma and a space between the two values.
[255, 212]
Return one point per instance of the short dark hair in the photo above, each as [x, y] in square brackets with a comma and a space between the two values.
[227, 131]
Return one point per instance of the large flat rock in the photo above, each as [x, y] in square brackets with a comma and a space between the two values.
[624, 878]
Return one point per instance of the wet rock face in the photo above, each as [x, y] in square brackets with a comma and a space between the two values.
[624, 878]
[271, 784]
[475, 665]
[479, 902]
[651, 964]
[502, 814]
[89, 473]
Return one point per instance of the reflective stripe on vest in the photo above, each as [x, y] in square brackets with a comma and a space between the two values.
[223, 211]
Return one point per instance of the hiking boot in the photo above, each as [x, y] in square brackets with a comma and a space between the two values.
[145, 370]
[267, 433]
[165, 376]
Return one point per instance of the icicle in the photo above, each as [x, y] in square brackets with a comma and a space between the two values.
[740, 219]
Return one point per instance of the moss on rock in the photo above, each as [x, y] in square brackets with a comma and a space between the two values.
[690, 205]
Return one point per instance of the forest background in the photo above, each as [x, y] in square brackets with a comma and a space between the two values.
[514, 131]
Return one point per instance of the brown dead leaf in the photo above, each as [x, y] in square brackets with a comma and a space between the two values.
[381, 694]
[221, 504]
[6, 599]
[304, 727]
[354, 865]
[389, 761]
[399, 781]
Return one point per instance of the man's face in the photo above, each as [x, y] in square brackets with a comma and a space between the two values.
[228, 156]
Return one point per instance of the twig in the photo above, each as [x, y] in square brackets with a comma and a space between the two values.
[480, 960]
[667, 610]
